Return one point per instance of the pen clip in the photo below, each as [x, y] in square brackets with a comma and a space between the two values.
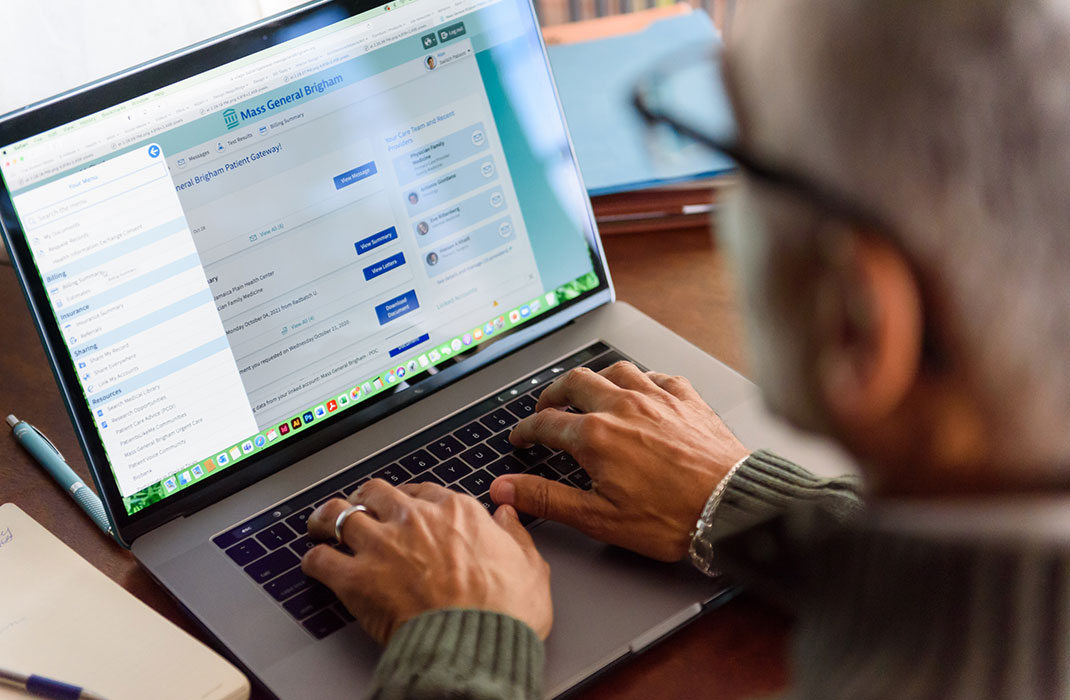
[45, 438]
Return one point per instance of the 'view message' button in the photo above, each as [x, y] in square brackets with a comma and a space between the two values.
[375, 240]
[397, 307]
[384, 266]
[355, 175]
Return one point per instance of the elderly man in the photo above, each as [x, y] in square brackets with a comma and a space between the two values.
[913, 305]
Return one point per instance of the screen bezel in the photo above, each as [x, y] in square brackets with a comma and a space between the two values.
[159, 73]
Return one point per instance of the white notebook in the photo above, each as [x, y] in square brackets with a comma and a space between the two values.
[62, 618]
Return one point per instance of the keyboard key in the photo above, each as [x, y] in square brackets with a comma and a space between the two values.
[393, 474]
[245, 552]
[473, 433]
[239, 533]
[537, 391]
[487, 502]
[299, 521]
[445, 447]
[302, 544]
[532, 455]
[290, 583]
[526, 519]
[275, 536]
[580, 479]
[343, 613]
[506, 465]
[309, 601]
[477, 482]
[426, 478]
[500, 443]
[337, 494]
[323, 624]
[499, 420]
[523, 407]
[452, 470]
[418, 461]
[479, 456]
[563, 463]
[545, 472]
[272, 565]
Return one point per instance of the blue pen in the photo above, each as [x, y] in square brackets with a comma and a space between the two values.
[49, 457]
[42, 687]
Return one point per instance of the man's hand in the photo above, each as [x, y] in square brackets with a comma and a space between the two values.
[423, 548]
[653, 448]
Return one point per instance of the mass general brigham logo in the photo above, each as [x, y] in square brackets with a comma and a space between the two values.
[231, 118]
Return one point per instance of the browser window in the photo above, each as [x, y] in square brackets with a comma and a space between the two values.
[242, 255]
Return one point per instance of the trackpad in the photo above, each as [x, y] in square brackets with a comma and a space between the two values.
[608, 600]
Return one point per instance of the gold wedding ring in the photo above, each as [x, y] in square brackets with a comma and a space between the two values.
[340, 521]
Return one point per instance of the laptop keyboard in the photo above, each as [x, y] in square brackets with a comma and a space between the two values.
[464, 453]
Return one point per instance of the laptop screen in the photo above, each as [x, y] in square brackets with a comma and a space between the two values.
[277, 240]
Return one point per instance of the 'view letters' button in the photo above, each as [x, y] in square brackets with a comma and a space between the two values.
[384, 266]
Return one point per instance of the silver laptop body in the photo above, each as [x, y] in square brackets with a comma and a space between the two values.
[263, 263]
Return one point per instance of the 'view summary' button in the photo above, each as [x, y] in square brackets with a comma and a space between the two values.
[384, 266]
[397, 307]
[355, 175]
[375, 240]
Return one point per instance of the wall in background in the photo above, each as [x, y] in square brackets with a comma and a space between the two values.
[49, 46]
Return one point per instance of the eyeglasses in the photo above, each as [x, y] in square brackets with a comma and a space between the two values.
[682, 93]
[666, 97]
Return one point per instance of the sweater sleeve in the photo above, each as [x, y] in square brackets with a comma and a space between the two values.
[767, 485]
[473, 654]
[766, 507]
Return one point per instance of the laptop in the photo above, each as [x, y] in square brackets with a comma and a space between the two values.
[348, 242]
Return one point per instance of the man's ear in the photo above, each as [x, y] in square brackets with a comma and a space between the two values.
[869, 324]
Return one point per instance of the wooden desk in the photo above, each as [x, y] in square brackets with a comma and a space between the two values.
[735, 652]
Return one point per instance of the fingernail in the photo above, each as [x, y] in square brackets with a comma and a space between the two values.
[506, 493]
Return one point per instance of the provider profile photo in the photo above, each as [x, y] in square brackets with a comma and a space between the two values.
[422, 228]
[414, 198]
[432, 258]
[430, 62]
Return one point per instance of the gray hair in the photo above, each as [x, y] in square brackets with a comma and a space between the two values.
[952, 119]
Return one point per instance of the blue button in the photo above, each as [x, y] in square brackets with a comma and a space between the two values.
[397, 307]
[384, 266]
[375, 240]
[355, 175]
[154, 151]
[409, 345]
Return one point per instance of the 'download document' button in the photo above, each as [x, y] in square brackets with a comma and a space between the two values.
[375, 240]
[355, 175]
[397, 307]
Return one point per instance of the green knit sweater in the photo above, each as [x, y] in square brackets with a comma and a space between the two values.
[902, 602]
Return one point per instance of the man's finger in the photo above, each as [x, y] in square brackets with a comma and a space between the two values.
[549, 499]
[327, 565]
[677, 386]
[426, 491]
[509, 521]
[551, 427]
[356, 529]
[580, 388]
[384, 500]
[627, 376]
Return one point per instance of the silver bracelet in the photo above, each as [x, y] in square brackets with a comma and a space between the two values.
[701, 550]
